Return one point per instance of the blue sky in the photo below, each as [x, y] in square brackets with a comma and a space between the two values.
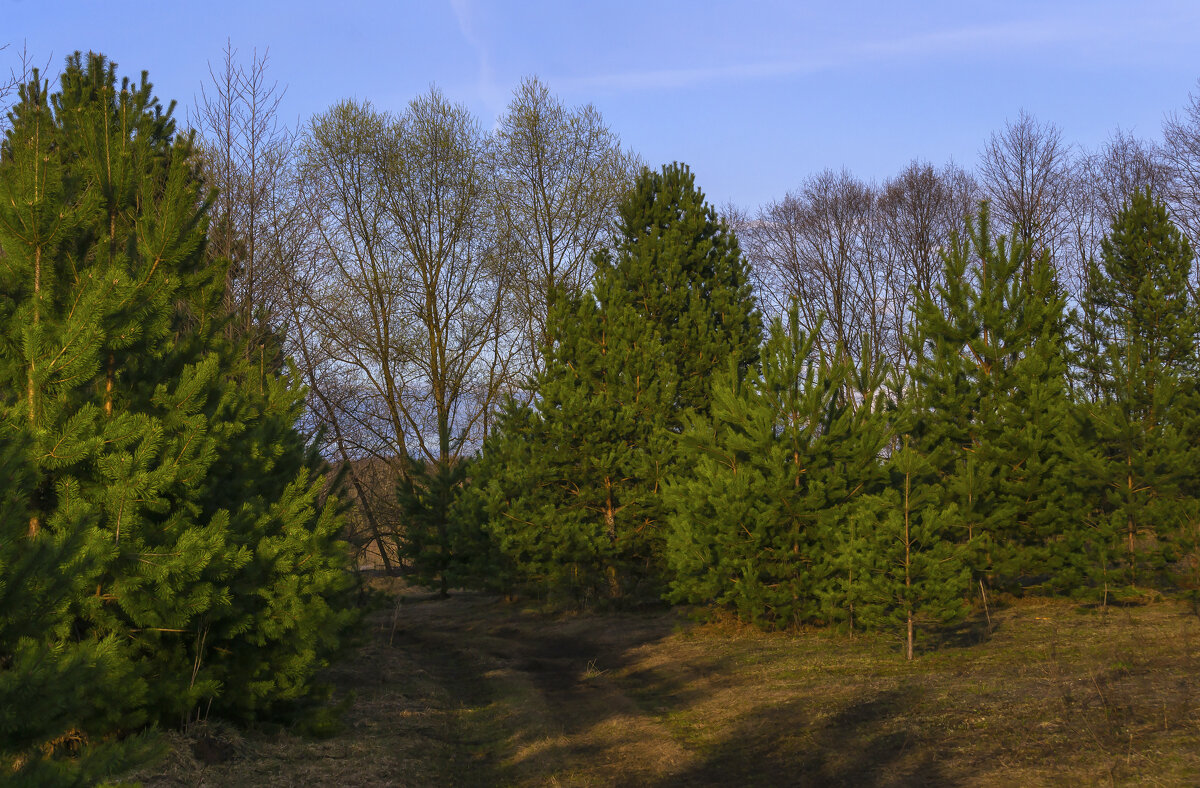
[753, 95]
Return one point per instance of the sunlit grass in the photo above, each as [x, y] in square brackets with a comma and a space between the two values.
[472, 691]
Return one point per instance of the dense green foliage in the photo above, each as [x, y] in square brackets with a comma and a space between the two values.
[1012, 454]
[989, 403]
[761, 511]
[573, 484]
[916, 572]
[443, 545]
[55, 689]
[1138, 462]
[807, 499]
[162, 466]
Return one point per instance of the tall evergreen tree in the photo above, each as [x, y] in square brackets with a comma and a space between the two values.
[760, 521]
[592, 511]
[918, 575]
[679, 268]
[989, 402]
[670, 304]
[1039, 500]
[223, 570]
[1139, 453]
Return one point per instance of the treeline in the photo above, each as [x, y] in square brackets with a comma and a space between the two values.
[169, 544]
[1026, 448]
[941, 378]
[407, 261]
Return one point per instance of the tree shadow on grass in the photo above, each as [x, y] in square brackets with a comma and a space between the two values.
[542, 684]
[972, 631]
[867, 743]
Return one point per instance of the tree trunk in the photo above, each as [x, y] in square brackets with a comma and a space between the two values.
[910, 634]
[34, 523]
[610, 512]
[908, 560]
[368, 512]
[108, 385]
[1129, 519]
[610, 525]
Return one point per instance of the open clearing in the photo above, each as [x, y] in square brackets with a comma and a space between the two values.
[470, 690]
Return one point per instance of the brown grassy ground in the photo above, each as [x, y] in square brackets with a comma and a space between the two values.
[472, 691]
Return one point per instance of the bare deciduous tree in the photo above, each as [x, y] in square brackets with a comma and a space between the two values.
[348, 291]
[247, 154]
[818, 246]
[560, 173]
[1101, 182]
[436, 179]
[1126, 165]
[1181, 152]
[852, 255]
[18, 74]
[406, 290]
[1025, 172]
[8, 86]
[398, 303]
[431, 251]
[919, 210]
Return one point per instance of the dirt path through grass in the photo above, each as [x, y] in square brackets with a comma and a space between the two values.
[557, 708]
[472, 691]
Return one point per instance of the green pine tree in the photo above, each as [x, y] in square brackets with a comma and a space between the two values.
[669, 305]
[941, 394]
[1040, 500]
[292, 599]
[761, 521]
[731, 541]
[861, 436]
[602, 400]
[678, 267]
[1138, 454]
[62, 701]
[224, 572]
[442, 546]
[513, 499]
[920, 574]
[990, 403]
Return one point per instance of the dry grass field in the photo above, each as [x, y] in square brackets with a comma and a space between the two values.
[473, 691]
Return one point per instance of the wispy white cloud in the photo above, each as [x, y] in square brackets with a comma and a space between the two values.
[1004, 38]
[489, 91]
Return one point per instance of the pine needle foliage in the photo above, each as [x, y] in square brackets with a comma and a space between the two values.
[574, 482]
[1139, 457]
[63, 702]
[989, 404]
[918, 574]
[222, 576]
[761, 520]
[440, 548]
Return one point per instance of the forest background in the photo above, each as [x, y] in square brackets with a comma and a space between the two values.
[431, 279]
